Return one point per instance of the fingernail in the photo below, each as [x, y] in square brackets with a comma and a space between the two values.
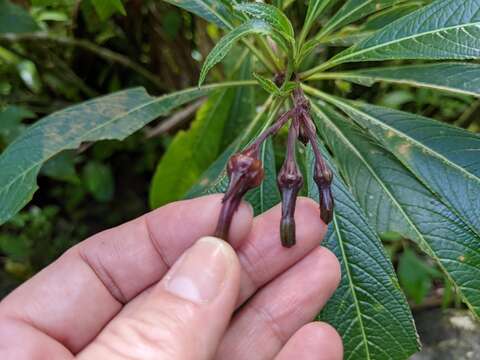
[200, 273]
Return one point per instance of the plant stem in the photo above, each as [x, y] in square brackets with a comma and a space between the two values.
[273, 128]
[253, 124]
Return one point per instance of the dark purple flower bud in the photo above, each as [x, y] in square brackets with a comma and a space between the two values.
[290, 181]
[323, 178]
[245, 172]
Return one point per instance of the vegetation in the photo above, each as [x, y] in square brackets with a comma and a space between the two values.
[80, 79]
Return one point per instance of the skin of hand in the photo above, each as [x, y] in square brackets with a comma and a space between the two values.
[159, 287]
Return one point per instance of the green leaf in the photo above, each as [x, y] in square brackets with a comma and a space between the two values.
[460, 78]
[214, 11]
[446, 29]
[191, 151]
[352, 11]
[113, 116]
[14, 19]
[349, 144]
[214, 179]
[98, 179]
[395, 200]
[270, 14]
[368, 308]
[445, 158]
[266, 195]
[225, 44]
[106, 8]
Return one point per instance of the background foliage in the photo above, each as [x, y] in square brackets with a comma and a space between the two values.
[399, 181]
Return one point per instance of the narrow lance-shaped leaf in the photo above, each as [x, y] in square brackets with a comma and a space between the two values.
[395, 200]
[270, 14]
[368, 309]
[460, 78]
[446, 29]
[110, 117]
[225, 44]
[445, 158]
[191, 151]
[214, 11]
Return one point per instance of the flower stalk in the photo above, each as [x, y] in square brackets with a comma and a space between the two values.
[245, 171]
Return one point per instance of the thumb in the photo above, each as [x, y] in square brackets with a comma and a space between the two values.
[184, 316]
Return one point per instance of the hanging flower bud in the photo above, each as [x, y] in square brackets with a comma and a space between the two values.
[290, 181]
[245, 172]
[323, 178]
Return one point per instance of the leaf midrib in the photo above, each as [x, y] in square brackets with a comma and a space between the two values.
[350, 285]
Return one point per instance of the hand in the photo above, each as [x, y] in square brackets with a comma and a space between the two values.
[129, 293]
